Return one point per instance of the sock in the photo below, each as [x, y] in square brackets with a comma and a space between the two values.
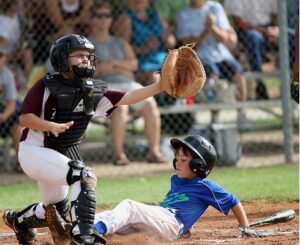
[100, 227]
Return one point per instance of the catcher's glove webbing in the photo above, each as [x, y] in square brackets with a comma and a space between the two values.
[60, 229]
[182, 73]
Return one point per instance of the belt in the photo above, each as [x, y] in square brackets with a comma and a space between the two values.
[181, 225]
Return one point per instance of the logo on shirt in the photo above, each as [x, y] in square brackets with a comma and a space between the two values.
[79, 106]
[174, 198]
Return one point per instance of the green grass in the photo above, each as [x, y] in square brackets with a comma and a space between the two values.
[277, 183]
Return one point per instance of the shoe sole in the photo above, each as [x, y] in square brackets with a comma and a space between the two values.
[59, 231]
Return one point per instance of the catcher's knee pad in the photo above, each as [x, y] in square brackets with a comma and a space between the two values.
[63, 207]
[74, 173]
[85, 204]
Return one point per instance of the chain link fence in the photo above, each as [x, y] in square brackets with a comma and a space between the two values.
[240, 42]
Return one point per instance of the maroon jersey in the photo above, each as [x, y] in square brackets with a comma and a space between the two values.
[40, 102]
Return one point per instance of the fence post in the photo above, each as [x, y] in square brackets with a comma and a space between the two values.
[285, 81]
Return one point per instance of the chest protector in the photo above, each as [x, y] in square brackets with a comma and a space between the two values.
[74, 100]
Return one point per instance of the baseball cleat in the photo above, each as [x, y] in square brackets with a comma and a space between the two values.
[25, 236]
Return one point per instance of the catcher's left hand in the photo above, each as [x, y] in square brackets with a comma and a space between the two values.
[182, 73]
[248, 232]
[60, 229]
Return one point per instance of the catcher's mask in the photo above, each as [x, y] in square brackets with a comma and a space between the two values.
[60, 50]
[204, 150]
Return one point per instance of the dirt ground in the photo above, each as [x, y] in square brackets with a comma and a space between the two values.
[212, 228]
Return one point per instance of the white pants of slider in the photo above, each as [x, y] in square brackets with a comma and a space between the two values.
[130, 216]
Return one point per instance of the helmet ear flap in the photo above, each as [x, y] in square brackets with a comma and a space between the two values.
[60, 59]
[198, 166]
[65, 67]
[174, 163]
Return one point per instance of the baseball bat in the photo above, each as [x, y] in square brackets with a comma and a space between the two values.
[282, 216]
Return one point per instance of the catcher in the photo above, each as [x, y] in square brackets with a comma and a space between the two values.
[190, 195]
[55, 114]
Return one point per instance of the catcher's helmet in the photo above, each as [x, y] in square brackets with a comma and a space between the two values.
[60, 50]
[204, 150]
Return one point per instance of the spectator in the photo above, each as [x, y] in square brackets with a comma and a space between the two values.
[258, 30]
[206, 25]
[117, 63]
[69, 16]
[168, 9]
[8, 103]
[10, 31]
[40, 29]
[11, 37]
[145, 30]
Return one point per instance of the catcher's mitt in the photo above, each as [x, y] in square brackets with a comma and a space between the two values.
[182, 72]
[60, 229]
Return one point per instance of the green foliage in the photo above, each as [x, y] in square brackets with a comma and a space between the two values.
[277, 183]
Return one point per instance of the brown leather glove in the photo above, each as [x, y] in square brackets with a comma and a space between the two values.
[60, 229]
[182, 73]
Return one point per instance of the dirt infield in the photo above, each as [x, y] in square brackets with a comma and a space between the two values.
[212, 228]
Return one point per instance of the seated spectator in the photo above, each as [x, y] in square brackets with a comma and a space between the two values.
[11, 37]
[168, 9]
[117, 63]
[8, 103]
[39, 29]
[257, 28]
[10, 31]
[144, 29]
[205, 24]
[69, 16]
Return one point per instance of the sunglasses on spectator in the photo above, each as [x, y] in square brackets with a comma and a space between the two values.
[101, 15]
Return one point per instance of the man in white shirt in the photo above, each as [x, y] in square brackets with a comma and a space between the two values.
[256, 24]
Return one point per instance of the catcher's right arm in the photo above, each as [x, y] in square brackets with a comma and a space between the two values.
[182, 73]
